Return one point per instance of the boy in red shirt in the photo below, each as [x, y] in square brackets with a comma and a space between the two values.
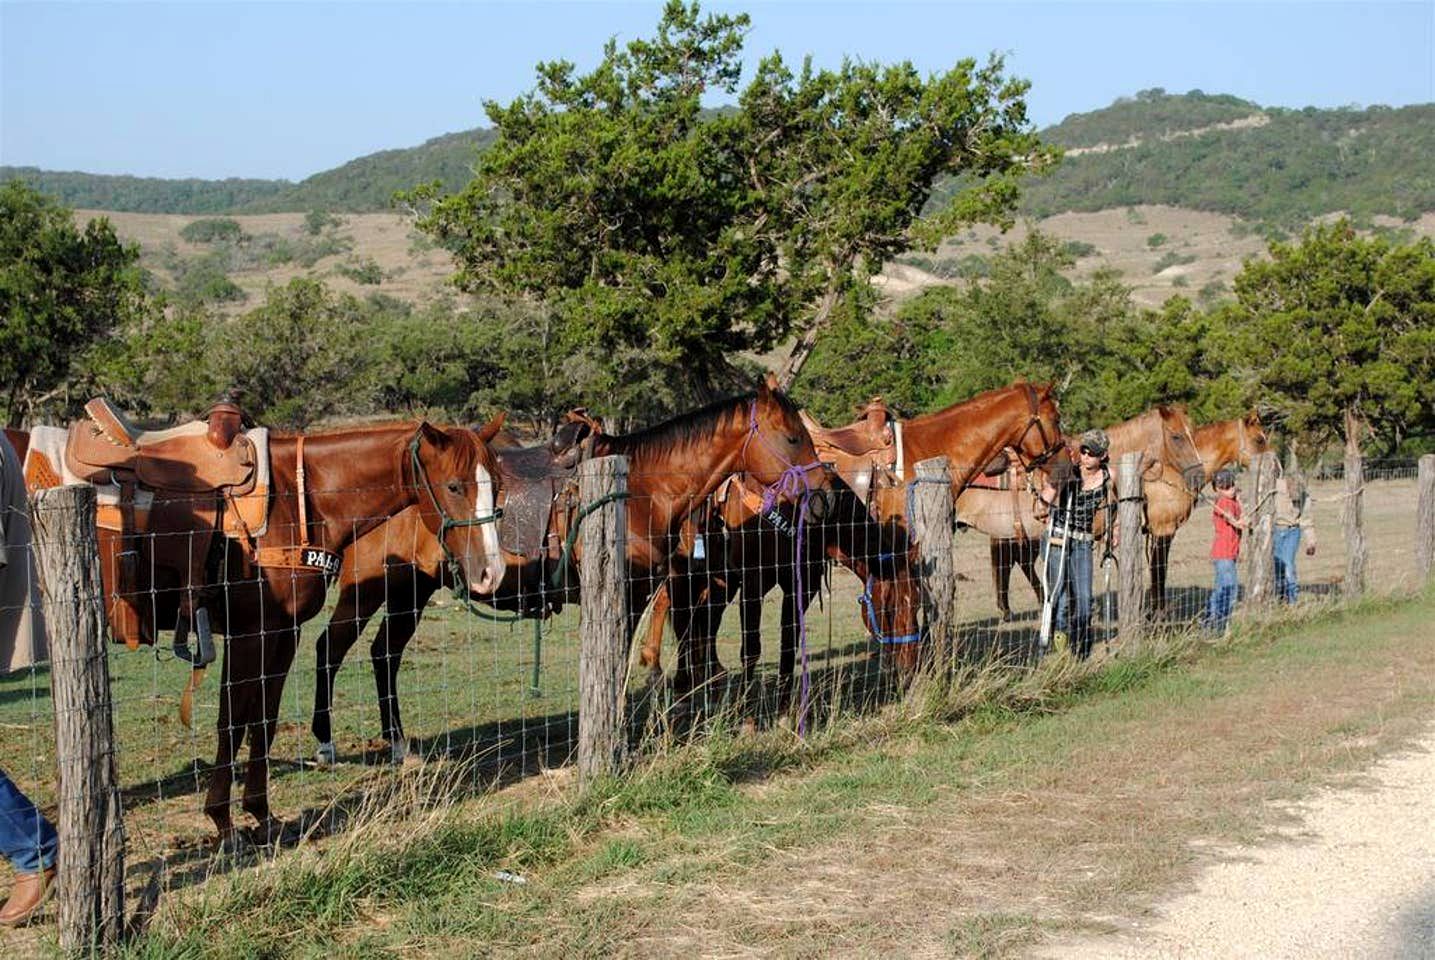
[1225, 549]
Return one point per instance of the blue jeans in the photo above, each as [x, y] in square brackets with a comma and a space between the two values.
[1286, 545]
[26, 838]
[1073, 586]
[1223, 595]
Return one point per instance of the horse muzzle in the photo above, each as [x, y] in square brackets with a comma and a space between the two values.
[1195, 478]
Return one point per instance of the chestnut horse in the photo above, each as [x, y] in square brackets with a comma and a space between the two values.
[747, 552]
[671, 467]
[1020, 417]
[1163, 436]
[1169, 502]
[351, 481]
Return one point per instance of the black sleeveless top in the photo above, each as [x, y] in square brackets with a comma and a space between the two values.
[1076, 509]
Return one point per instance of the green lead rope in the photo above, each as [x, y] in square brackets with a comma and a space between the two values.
[566, 558]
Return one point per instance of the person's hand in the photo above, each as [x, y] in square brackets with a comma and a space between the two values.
[1310, 550]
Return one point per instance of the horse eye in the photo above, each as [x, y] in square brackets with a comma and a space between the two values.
[795, 439]
[455, 487]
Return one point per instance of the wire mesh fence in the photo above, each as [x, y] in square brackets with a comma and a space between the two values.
[776, 602]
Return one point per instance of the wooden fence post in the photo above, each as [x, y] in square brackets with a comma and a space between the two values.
[1425, 521]
[1353, 518]
[603, 626]
[91, 872]
[1131, 552]
[933, 520]
[1261, 505]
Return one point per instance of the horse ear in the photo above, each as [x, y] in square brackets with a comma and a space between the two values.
[489, 430]
[769, 384]
[433, 435]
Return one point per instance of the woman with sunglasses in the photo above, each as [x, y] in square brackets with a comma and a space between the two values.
[1083, 509]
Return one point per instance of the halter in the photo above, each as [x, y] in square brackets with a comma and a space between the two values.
[447, 523]
[869, 613]
[1050, 447]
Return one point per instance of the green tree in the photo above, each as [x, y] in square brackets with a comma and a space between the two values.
[1338, 331]
[295, 359]
[666, 239]
[63, 291]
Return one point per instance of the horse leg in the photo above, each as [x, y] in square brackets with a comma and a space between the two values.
[352, 613]
[277, 656]
[652, 654]
[787, 653]
[1160, 557]
[1027, 554]
[1001, 551]
[387, 653]
[237, 694]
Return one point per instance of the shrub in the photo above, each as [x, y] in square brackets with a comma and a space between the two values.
[1155, 240]
[212, 230]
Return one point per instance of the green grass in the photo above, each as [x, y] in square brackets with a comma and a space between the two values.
[698, 813]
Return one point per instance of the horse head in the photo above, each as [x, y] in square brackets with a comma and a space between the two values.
[1176, 446]
[777, 451]
[1039, 442]
[456, 474]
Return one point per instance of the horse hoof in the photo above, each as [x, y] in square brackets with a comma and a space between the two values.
[233, 844]
[268, 833]
[326, 755]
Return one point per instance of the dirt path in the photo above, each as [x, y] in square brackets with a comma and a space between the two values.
[1357, 879]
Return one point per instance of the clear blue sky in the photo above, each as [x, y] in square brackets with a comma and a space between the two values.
[216, 89]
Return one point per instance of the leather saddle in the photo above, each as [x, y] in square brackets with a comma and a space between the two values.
[866, 454]
[172, 485]
[209, 455]
[540, 489]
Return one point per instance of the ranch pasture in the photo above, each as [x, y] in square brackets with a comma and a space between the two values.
[466, 687]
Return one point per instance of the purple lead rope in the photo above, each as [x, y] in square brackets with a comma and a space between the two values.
[792, 482]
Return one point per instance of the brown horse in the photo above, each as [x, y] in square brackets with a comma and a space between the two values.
[748, 552]
[397, 567]
[350, 481]
[1020, 417]
[1169, 502]
[1163, 436]
[671, 467]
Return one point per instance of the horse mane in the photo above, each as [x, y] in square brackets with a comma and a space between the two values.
[695, 426]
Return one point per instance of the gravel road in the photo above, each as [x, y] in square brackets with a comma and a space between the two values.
[1355, 879]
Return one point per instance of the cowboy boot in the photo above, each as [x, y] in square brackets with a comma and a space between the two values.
[26, 897]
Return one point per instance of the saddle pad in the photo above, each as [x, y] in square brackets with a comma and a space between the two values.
[45, 467]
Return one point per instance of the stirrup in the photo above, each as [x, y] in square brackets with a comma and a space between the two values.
[205, 655]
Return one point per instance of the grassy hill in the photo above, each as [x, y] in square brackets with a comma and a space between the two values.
[1214, 153]
[368, 183]
[145, 194]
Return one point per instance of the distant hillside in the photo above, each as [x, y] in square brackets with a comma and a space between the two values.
[1296, 165]
[1149, 115]
[368, 183]
[1199, 151]
[96, 191]
[359, 186]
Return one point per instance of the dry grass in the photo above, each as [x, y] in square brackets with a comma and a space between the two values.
[419, 275]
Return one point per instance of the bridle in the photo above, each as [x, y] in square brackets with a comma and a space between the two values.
[446, 522]
[1050, 447]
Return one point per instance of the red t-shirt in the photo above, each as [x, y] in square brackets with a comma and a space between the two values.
[1226, 545]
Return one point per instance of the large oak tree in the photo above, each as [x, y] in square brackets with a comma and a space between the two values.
[667, 238]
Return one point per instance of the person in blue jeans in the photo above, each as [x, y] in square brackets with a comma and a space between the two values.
[1292, 524]
[28, 841]
[1082, 511]
[1225, 550]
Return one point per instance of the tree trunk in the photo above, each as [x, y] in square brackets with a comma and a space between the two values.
[808, 341]
[1353, 516]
